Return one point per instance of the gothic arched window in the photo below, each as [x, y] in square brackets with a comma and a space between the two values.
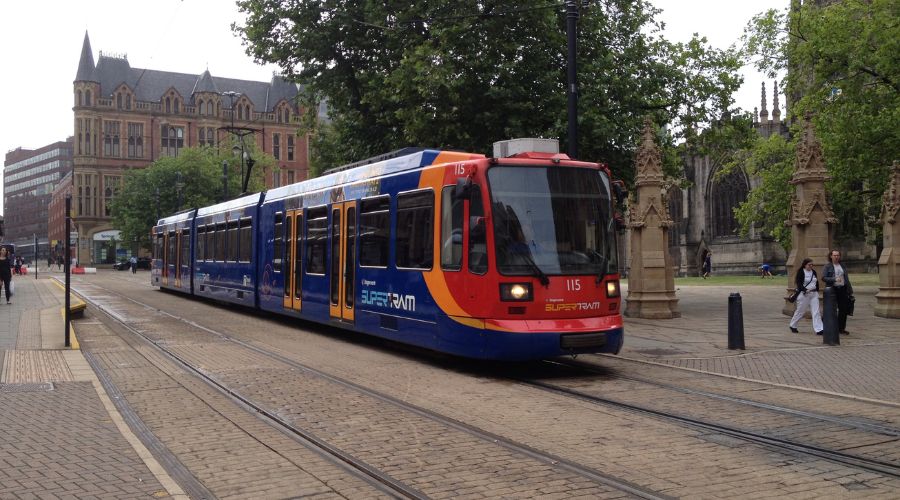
[79, 98]
[168, 105]
[676, 213]
[725, 194]
[87, 97]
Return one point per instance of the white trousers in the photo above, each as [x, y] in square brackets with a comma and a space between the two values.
[810, 301]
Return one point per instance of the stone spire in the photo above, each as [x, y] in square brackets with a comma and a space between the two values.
[887, 300]
[651, 280]
[86, 63]
[205, 83]
[776, 113]
[763, 112]
[811, 219]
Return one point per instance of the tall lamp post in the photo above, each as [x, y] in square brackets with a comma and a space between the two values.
[246, 161]
[572, 89]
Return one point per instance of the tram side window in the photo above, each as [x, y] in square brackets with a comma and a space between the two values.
[374, 231]
[246, 241]
[279, 242]
[415, 230]
[185, 247]
[208, 252]
[233, 242]
[170, 253]
[201, 242]
[451, 230]
[478, 257]
[316, 240]
[158, 248]
[221, 237]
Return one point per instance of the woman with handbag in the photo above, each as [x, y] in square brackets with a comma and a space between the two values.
[807, 293]
[5, 271]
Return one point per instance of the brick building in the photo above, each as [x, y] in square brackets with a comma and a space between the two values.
[127, 117]
[29, 178]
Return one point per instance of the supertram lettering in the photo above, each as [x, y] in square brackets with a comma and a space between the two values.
[388, 299]
[578, 306]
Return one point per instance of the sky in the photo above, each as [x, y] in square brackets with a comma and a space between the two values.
[42, 42]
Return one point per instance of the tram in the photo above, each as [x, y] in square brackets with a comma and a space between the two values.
[511, 257]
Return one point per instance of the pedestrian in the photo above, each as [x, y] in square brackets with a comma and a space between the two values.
[707, 265]
[17, 264]
[59, 262]
[49, 262]
[765, 270]
[6, 271]
[807, 284]
[133, 262]
[835, 275]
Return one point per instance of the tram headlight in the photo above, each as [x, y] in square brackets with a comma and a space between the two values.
[612, 288]
[515, 292]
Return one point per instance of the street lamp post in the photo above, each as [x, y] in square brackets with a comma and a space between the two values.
[239, 148]
[571, 21]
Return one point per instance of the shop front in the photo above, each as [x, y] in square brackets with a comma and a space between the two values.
[106, 245]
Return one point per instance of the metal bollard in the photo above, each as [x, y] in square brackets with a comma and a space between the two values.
[735, 322]
[830, 334]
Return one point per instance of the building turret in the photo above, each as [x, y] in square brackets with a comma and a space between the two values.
[776, 113]
[763, 112]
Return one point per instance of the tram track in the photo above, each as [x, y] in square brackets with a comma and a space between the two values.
[383, 480]
[889, 469]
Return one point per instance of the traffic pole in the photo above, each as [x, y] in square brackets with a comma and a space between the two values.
[68, 270]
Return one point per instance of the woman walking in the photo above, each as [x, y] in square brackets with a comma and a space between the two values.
[807, 283]
[5, 270]
[835, 275]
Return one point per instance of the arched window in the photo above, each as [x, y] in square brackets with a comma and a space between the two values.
[168, 105]
[128, 101]
[240, 112]
[287, 115]
[278, 116]
[725, 195]
[87, 97]
[200, 108]
[247, 113]
[176, 102]
[676, 212]
[118, 101]
[218, 108]
[79, 99]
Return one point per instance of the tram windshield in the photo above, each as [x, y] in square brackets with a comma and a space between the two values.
[552, 221]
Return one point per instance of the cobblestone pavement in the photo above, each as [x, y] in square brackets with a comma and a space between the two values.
[234, 454]
[59, 439]
[866, 365]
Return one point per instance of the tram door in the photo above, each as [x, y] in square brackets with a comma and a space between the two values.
[343, 260]
[177, 257]
[293, 231]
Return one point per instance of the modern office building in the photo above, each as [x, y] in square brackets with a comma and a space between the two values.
[29, 178]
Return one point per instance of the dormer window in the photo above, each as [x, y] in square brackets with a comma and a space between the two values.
[200, 110]
[118, 101]
[128, 101]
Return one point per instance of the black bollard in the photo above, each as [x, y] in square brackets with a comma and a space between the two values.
[735, 322]
[830, 334]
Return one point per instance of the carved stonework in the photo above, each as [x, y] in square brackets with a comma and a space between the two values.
[648, 159]
[887, 300]
[892, 196]
[651, 279]
[801, 212]
[811, 218]
[809, 164]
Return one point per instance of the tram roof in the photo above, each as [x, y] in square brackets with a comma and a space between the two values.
[225, 206]
[180, 216]
[411, 161]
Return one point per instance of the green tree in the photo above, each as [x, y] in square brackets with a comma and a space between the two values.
[134, 208]
[461, 75]
[843, 63]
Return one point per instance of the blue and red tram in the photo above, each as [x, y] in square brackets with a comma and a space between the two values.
[506, 258]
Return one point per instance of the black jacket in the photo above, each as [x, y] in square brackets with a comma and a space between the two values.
[828, 277]
[5, 270]
[800, 279]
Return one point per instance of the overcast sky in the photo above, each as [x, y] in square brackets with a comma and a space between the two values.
[42, 40]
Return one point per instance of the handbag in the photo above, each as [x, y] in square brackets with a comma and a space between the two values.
[851, 303]
[12, 288]
[793, 297]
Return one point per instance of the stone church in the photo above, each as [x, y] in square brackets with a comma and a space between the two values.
[703, 218]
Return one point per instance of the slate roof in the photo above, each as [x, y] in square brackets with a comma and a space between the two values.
[150, 85]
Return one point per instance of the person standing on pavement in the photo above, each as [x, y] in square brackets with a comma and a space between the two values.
[707, 265]
[807, 282]
[133, 263]
[835, 275]
[5, 270]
